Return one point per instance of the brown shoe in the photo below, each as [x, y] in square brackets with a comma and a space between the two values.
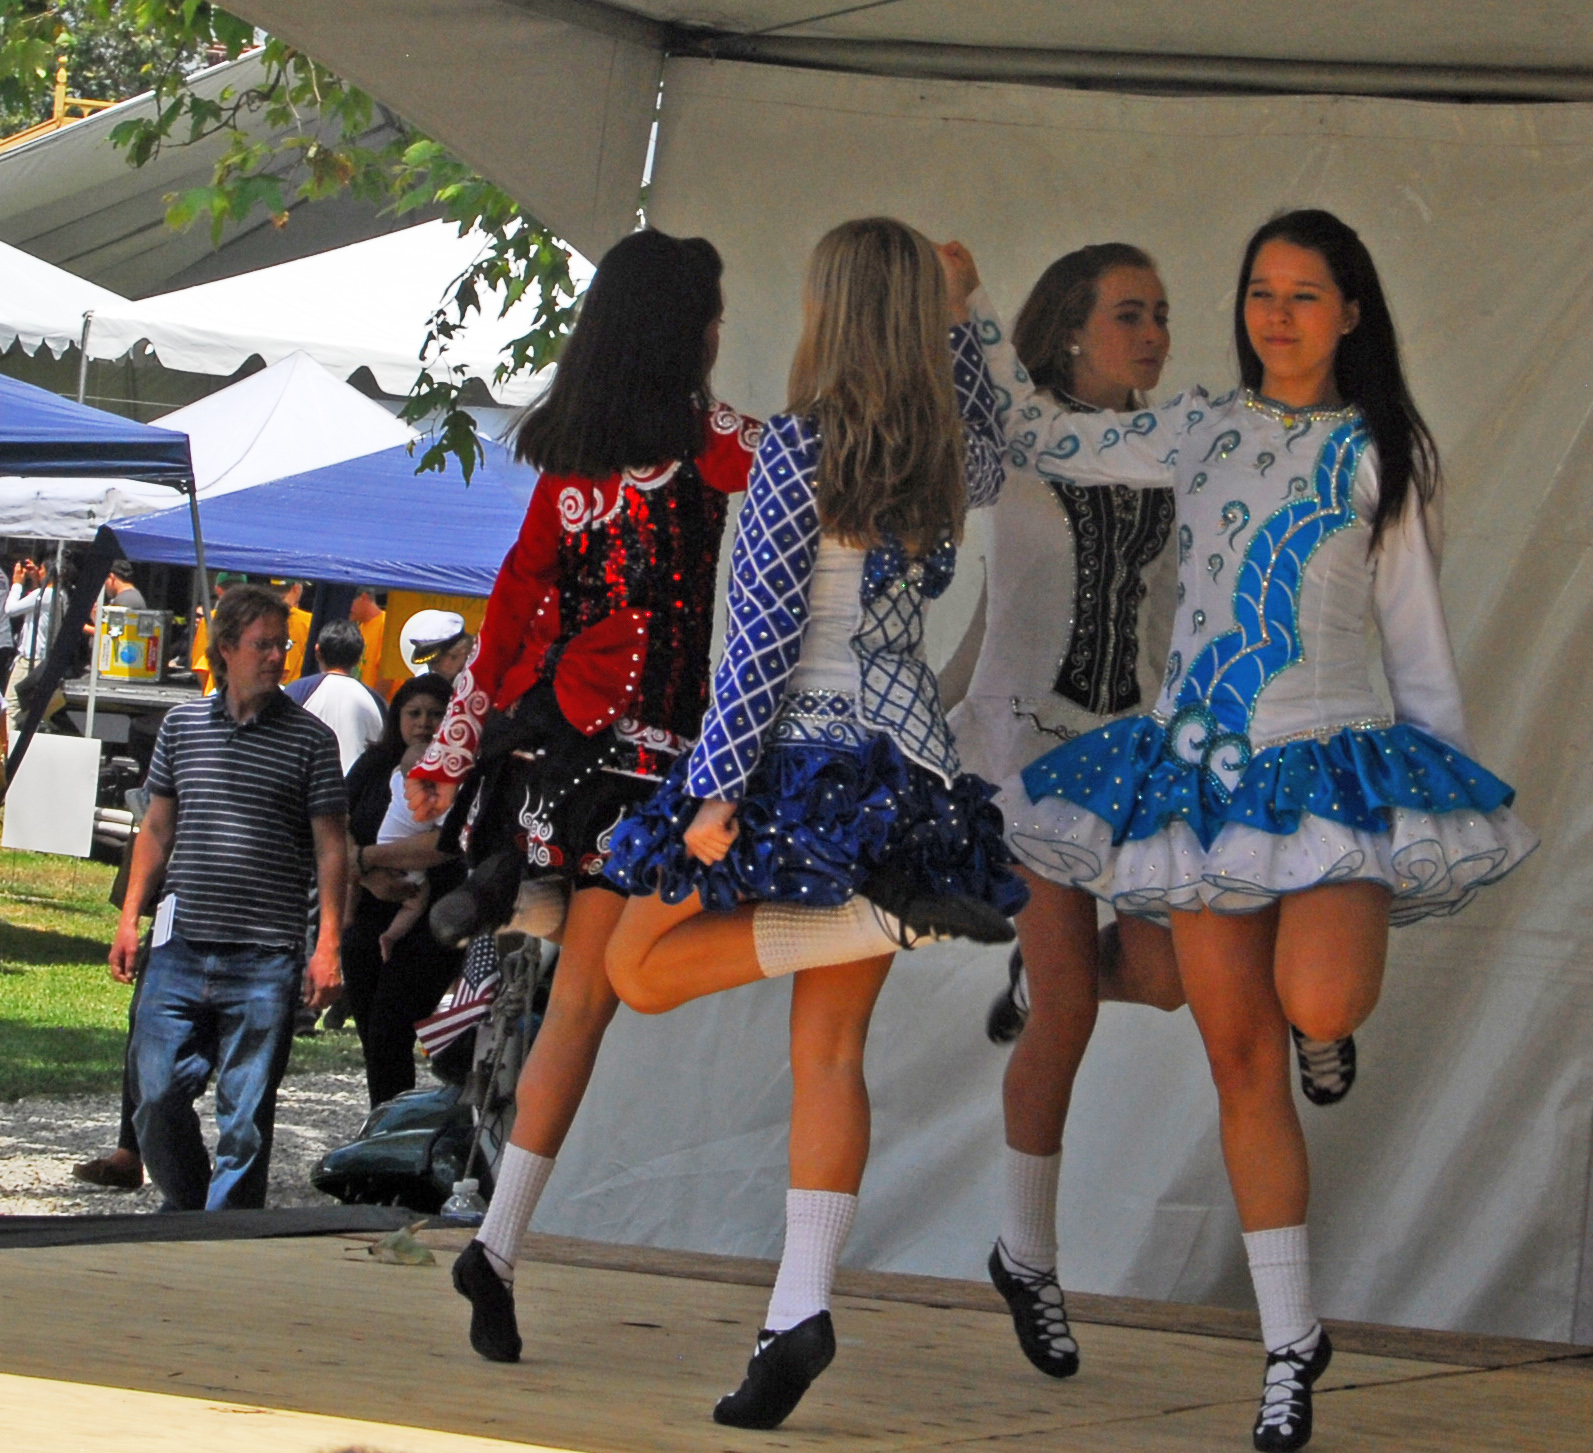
[107, 1172]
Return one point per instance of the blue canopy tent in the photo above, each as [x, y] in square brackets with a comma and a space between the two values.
[44, 435]
[366, 521]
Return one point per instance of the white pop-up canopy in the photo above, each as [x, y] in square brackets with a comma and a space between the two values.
[361, 306]
[284, 420]
[42, 305]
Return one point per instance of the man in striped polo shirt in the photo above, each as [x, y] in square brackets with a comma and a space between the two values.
[246, 796]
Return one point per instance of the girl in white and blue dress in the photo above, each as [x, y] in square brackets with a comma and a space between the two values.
[822, 818]
[1270, 806]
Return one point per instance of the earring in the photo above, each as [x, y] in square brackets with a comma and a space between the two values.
[1073, 348]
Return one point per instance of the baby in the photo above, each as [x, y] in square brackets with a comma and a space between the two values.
[397, 825]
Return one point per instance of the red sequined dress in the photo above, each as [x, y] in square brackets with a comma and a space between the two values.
[606, 599]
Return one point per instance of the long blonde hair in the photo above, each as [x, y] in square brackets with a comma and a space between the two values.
[873, 369]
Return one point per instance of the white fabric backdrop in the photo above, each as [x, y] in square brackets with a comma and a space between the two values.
[1452, 1188]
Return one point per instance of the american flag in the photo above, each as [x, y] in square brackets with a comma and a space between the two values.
[468, 1002]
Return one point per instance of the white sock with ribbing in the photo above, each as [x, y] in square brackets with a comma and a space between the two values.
[522, 1174]
[788, 937]
[1028, 1212]
[1280, 1269]
[816, 1227]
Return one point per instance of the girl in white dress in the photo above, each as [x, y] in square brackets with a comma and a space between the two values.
[1079, 604]
[1271, 806]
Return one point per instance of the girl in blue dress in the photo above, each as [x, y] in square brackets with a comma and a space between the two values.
[1270, 806]
[822, 816]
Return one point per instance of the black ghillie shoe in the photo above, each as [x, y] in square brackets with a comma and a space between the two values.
[482, 902]
[935, 916]
[1327, 1067]
[493, 1332]
[1284, 1420]
[1039, 1316]
[782, 1368]
[1009, 1010]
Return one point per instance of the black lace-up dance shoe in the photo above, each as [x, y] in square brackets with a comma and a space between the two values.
[493, 1331]
[935, 916]
[1009, 1010]
[782, 1368]
[1327, 1067]
[1283, 1422]
[483, 901]
[1039, 1316]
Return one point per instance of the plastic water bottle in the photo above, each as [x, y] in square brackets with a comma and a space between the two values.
[465, 1207]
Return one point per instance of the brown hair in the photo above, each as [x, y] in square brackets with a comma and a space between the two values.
[235, 612]
[873, 371]
[1060, 304]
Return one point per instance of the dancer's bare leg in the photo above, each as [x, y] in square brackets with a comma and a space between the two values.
[1227, 966]
[1331, 950]
[580, 1006]
[661, 955]
[1057, 933]
[1146, 971]
[830, 1013]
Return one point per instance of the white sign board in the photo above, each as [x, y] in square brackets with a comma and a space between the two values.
[50, 806]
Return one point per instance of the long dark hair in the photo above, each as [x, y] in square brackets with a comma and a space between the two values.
[1366, 367]
[1060, 304]
[631, 388]
[390, 746]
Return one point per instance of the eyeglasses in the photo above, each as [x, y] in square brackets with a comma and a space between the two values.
[265, 648]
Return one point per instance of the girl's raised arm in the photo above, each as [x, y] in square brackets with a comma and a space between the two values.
[1136, 449]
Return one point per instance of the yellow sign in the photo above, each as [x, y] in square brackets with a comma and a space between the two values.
[402, 604]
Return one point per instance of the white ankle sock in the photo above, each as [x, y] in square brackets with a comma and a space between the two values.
[521, 1177]
[816, 1227]
[787, 937]
[1028, 1214]
[538, 908]
[1280, 1269]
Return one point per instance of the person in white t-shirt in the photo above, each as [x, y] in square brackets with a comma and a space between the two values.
[337, 695]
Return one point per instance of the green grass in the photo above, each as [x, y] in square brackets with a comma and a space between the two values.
[63, 1019]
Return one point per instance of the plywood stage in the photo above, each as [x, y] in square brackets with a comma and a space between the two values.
[308, 1346]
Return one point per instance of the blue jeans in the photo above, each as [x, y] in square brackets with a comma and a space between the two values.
[223, 1009]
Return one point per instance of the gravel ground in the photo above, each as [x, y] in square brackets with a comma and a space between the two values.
[41, 1140]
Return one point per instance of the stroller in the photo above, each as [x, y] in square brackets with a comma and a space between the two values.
[413, 1150]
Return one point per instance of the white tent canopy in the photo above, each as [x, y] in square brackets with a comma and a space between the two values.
[1453, 1188]
[291, 417]
[70, 198]
[41, 305]
[361, 306]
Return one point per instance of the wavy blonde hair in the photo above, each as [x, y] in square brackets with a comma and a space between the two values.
[873, 370]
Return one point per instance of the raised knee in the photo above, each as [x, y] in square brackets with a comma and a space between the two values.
[633, 987]
[1328, 1014]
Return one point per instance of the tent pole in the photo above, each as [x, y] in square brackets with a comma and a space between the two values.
[199, 552]
[94, 667]
[82, 355]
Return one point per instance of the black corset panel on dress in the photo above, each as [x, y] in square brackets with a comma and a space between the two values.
[1117, 532]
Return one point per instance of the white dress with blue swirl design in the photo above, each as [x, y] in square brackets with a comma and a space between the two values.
[1269, 763]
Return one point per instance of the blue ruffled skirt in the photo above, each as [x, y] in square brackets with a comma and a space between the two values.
[1119, 812]
[815, 822]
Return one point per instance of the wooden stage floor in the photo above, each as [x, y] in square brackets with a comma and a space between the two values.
[309, 1346]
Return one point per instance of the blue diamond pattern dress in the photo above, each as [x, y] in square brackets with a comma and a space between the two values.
[1269, 764]
[825, 724]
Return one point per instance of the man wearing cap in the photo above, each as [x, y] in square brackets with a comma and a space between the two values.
[119, 587]
[437, 641]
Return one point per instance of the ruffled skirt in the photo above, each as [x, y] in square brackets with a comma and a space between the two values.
[815, 822]
[1118, 813]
